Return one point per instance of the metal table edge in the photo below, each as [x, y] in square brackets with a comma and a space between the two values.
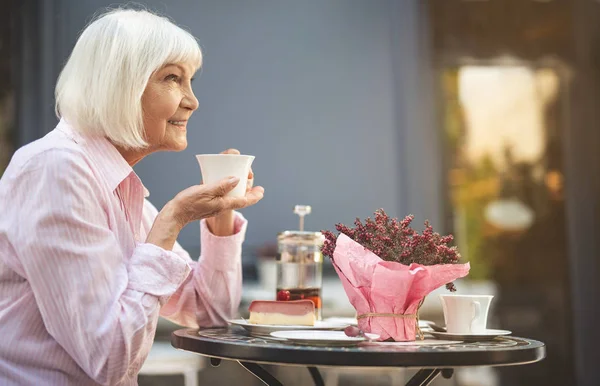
[184, 339]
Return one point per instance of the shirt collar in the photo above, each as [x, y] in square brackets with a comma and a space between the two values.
[107, 158]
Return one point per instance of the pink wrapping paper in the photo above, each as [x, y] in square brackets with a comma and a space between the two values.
[374, 285]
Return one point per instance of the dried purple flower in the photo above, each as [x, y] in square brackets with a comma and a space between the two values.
[394, 240]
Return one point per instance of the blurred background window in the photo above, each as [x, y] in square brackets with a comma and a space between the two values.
[505, 204]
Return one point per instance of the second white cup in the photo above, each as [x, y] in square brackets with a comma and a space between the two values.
[215, 167]
[466, 314]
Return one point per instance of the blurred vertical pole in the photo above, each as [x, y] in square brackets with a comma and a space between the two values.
[27, 74]
[418, 146]
[15, 64]
[39, 60]
[49, 57]
[583, 191]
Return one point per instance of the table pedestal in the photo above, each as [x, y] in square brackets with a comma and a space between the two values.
[421, 378]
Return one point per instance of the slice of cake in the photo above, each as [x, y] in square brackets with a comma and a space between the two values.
[283, 313]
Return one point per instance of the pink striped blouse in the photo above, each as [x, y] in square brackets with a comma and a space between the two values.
[80, 290]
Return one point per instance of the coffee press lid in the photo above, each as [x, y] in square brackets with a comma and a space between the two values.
[300, 237]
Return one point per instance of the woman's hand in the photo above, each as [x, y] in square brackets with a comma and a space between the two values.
[199, 202]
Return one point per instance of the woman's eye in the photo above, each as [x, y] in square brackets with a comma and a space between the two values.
[172, 77]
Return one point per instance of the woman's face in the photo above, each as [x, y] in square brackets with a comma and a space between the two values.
[167, 104]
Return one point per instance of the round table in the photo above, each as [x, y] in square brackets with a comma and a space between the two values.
[234, 343]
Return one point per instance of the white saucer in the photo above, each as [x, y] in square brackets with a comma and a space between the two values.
[267, 329]
[322, 338]
[423, 324]
[488, 334]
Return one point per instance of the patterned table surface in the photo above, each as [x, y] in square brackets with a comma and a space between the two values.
[236, 344]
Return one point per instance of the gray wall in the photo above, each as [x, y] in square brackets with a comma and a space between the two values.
[323, 93]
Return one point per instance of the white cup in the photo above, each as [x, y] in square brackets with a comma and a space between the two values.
[466, 314]
[215, 167]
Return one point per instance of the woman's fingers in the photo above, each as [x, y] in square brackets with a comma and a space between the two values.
[223, 186]
[250, 182]
[231, 151]
[253, 196]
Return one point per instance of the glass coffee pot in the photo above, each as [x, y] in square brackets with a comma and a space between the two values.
[300, 263]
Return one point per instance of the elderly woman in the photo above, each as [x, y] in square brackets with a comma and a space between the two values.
[87, 264]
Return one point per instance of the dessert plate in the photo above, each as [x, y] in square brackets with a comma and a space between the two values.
[322, 338]
[476, 337]
[341, 320]
[267, 329]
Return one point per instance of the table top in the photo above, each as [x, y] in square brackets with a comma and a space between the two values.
[234, 343]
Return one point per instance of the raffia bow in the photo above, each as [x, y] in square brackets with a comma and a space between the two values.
[403, 316]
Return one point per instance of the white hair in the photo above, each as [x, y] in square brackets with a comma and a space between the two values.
[99, 90]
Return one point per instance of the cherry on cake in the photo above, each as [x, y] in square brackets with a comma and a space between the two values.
[282, 313]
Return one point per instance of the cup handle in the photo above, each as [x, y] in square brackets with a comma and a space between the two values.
[476, 313]
[445, 311]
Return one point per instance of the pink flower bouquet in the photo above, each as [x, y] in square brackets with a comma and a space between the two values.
[387, 268]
